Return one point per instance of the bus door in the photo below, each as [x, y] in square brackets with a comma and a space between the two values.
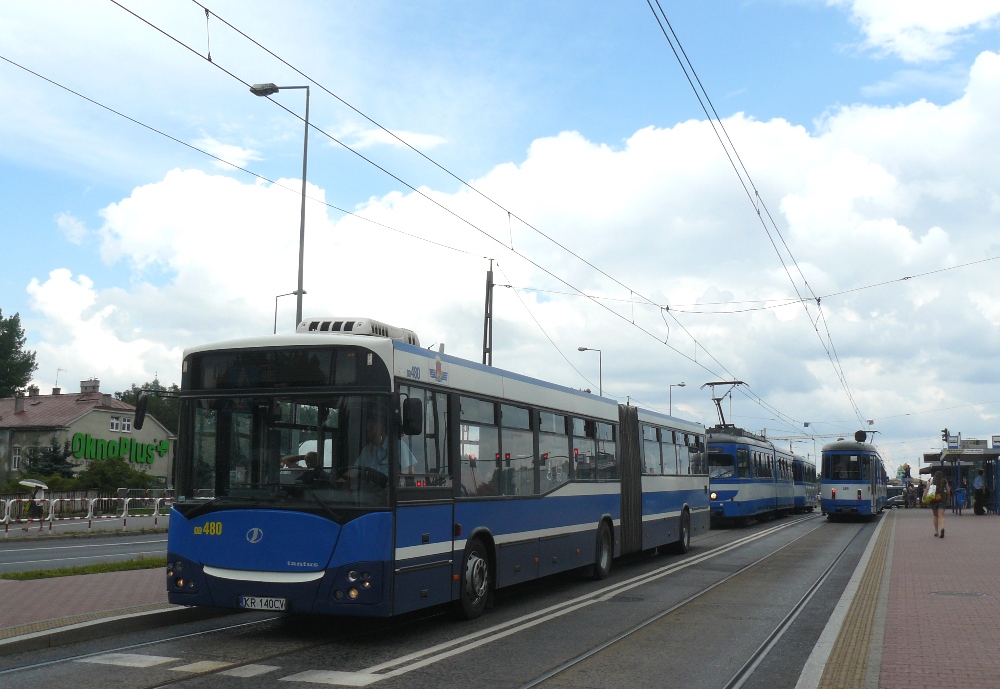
[424, 514]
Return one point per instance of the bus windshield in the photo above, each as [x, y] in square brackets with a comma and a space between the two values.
[720, 466]
[321, 452]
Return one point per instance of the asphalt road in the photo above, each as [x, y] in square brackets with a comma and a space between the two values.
[52, 553]
[682, 635]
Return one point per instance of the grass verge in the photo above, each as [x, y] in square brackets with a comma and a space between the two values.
[141, 562]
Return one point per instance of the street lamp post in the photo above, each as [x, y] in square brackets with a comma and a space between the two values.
[600, 369]
[670, 397]
[286, 294]
[270, 90]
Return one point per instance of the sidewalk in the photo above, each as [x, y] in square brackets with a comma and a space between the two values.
[944, 603]
[43, 604]
[919, 611]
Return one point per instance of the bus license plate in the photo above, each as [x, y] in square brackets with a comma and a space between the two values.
[258, 603]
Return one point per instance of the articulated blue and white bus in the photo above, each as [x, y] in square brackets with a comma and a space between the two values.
[853, 478]
[749, 476]
[346, 470]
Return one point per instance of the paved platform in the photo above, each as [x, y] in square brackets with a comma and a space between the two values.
[47, 604]
[919, 611]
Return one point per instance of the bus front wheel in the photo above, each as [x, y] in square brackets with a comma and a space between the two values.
[475, 581]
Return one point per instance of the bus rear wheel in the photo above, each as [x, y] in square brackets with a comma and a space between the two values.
[475, 582]
[603, 553]
[684, 543]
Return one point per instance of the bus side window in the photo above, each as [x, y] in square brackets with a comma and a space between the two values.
[683, 453]
[553, 451]
[669, 450]
[584, 451]
[479, 447]
[650, 451]
[517, 445]
[607, 451]
[429, 449]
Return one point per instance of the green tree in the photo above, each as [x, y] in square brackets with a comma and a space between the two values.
[16, 364]
[108, 475]
[49, 460]
[164, 407]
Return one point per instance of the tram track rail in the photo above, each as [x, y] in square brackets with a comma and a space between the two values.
[455, 646]
[753, 662]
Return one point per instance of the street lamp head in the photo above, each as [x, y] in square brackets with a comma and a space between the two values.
[264, 89]
[680, 385]
[581, 349]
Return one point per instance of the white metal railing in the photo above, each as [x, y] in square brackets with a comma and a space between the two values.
[17, 511]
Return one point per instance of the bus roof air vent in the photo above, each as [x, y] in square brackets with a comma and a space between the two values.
[357, 326]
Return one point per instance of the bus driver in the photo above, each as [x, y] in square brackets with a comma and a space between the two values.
[375, 454]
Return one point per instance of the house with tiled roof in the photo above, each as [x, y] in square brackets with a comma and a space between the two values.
[96, 425]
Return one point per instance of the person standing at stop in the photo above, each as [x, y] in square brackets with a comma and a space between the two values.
[979, 493]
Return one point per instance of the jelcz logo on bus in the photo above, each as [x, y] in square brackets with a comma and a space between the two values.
[255, 535]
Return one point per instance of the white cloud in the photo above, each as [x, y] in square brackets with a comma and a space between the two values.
[82, 336]
[72, 227]
[875, 193]
[367, 138]
[919, 30]
[237, 155]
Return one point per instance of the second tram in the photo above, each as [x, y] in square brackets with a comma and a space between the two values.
[853, 478]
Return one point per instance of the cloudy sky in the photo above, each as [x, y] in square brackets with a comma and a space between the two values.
[869, 128]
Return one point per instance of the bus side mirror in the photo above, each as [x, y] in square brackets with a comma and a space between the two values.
[140, 411]
[413, 416]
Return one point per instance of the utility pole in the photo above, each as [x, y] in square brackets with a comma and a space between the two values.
[488, 319]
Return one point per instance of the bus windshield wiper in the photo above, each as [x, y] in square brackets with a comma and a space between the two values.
[203, 507]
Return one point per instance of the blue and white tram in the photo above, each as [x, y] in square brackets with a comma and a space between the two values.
[748, 476]
[807, 484]
[345, 470]
[853, 478]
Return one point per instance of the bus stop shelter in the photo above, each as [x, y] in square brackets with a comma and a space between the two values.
[964, 464]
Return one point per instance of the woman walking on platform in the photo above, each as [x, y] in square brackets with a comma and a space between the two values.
[942, 497]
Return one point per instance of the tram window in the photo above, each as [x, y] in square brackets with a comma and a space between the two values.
[743, 463]
[551, 423]
[429, 448]
[478, 411]
[516, 473]
[841, 467]
[553, 460]
[720, 465]
[650, 451]
[479, 448]
[514, 417]
[607, 451]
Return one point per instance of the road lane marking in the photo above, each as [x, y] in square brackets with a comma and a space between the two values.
[251, 670]
[201, 666]
[128, 660]
[343, 679]
[67, 547]
[81, 557]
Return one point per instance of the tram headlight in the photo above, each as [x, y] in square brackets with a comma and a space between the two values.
[714, 496]
[352, 593]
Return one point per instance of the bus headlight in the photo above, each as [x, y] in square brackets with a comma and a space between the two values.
[352, 593]
[352, 576]
[714, 496]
